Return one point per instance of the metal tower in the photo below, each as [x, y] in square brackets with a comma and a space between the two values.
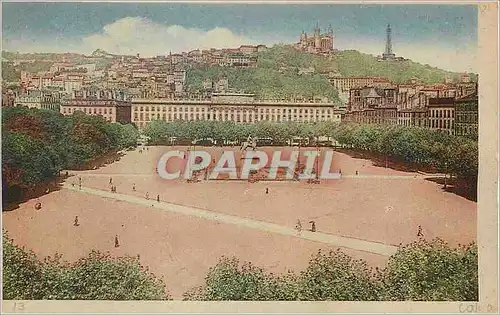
[388, 54]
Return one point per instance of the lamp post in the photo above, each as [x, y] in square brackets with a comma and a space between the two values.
[317, 162]
[445, 174]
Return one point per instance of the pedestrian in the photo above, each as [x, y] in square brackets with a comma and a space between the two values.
[419, 233]
[340, 171]
[267, 190]
[76, 221]
[117, 244]
[298, 226]
[147, 196]
[313, 226]
[356, 172]
[158, 198]
[111, 180]
[133, 187]
[67, 173]
[80, 186]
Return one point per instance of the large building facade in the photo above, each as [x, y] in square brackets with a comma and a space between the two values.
[442, 114]
[466, 116]
[108, 104]
[145, 111]
[372, 105]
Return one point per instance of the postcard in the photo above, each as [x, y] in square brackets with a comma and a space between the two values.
[168, 157]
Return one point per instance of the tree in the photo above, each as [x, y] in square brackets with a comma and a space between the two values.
[95, 277]
[432, 271]
[335, 276]
[228, 281]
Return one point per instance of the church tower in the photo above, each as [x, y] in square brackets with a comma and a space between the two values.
[317, 38]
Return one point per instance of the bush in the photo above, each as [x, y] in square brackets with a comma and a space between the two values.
[336, 276]
[95, 277]
[432, 271]
[227, 281]
[422, 271]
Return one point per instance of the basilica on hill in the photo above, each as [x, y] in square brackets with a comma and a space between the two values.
[316, 43]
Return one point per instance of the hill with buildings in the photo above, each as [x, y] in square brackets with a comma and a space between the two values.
[283, 72]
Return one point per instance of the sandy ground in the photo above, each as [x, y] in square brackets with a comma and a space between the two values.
[379, 205]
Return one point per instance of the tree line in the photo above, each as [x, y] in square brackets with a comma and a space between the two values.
[38, 143]
[417, 146]
[420, 271]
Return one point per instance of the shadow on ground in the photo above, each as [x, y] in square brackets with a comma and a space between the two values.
[455, 186]
[101, 161]
[15, 195]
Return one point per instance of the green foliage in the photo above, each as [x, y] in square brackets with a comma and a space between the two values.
[228, 281]
[10, 73]
[95, 277]
[21, 272]
[38, 143]
[266, 83]
[451, 154]
[336, 276]
[423, 271]
[432, 271]
[354, 63]
[276, 75]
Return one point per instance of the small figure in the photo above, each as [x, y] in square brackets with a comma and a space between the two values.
[80, 186]
[67, 173]
[158, 198]
[80, 179]
[298, 226]
[133, 187]
[117, 244]
[356, 172]
[147, 196]
[38, 205]
[340, 171]
[72, 184]
[76, 221]
[111, 180]
[313, 226]
[267, 190]
[419, 233]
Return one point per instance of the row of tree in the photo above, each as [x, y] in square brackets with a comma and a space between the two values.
[421, 271]
[38, 143]
[451, 154]
[95, 277]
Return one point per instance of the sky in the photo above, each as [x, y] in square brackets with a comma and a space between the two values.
[444, 36]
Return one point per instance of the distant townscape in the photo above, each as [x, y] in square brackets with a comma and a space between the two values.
[306, 82]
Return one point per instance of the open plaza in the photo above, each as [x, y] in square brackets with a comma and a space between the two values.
[180, 229]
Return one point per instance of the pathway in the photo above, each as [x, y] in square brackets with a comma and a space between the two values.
[357, 244]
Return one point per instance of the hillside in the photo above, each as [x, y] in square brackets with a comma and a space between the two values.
[277, 76]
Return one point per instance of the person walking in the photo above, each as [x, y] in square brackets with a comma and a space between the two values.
[117, 244]
[147, 196]
[158, 198]
[298, 226]
[133, 187]
[419, 233]
[267, 190]
[76, 221]
[313, 226]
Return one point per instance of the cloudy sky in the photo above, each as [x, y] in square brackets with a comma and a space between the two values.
[444, 36]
